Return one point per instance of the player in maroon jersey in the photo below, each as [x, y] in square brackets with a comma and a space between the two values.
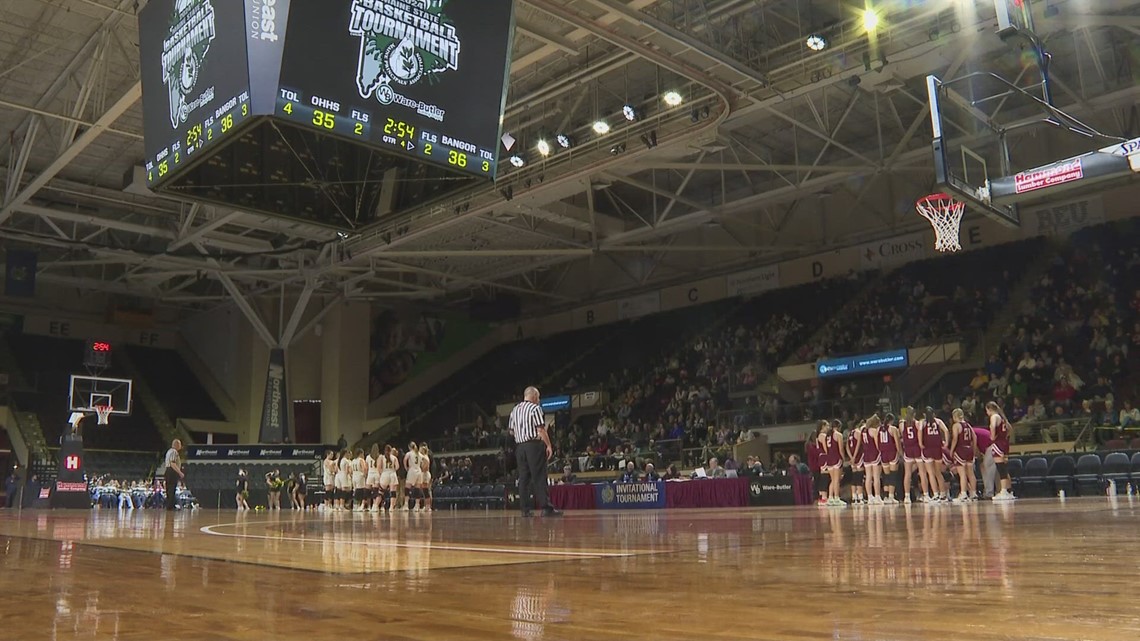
[889, 457]
[999, 429]
[854, 455]
[934, 436]
[832, 462]
[872, 461]
[963, 449]
[815, 463]
[911, 453]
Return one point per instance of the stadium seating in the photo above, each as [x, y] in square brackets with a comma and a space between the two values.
[1087, 476]
[174, 383]
[1033, 479]
[1117, 468]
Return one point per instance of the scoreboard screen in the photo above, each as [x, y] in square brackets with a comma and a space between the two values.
[425, 78]
[421, 80]
[195, 80]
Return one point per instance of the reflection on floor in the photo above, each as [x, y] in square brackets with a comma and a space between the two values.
[1029, 570]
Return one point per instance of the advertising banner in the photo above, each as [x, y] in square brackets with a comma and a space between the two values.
[628, 496]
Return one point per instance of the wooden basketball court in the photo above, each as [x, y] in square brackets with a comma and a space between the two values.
[1031, 570]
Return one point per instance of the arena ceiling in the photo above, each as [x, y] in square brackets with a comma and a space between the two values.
[776, 151]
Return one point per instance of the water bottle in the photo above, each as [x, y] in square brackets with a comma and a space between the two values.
[1111, 487]
[1129, 489]
[1061, 494]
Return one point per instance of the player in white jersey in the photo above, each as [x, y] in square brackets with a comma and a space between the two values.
[328, 473]
[344, 481]
[373, 478]
[359, 475]
[389, 480]
[415, 473]
[425, 478]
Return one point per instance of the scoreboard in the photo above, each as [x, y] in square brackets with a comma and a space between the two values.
[420, 79]
[194, 96]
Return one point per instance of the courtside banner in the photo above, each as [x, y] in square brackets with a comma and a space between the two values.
[264, 452]
[628, 496]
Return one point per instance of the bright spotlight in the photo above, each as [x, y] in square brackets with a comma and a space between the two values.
[517, 161]
[870, 19]
[601, 127]
[816, 42]
[564, 141]
[543, 147]
[672, 98]
[630, 112]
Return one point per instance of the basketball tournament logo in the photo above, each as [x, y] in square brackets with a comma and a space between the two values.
[608, 494]
[402, 43]
[183, 53]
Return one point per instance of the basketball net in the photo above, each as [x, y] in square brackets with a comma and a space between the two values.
[104, 413]
[945, 216]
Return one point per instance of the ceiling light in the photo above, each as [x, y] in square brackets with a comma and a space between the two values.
[564, 141]
[543, 147]
[870, 19]
[672, 98]
[816, 42]
[601, 127]
[517, 161]
[617, 149]
[629, 112]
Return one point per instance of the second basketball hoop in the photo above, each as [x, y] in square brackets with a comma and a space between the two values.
[945, 215]
[103, 412]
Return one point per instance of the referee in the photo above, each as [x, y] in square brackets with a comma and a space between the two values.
[532, 451]
[172, 474]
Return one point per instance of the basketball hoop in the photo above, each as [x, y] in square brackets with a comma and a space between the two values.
[945, 215]
[104, 413]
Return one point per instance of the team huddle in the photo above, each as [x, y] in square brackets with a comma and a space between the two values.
[873, 451]
[362, 483]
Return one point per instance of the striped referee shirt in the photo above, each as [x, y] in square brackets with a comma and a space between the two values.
[525, 420]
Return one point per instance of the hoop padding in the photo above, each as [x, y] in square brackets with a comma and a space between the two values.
[104, 413]
[945, 216]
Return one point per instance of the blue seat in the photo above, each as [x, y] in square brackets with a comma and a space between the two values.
[1033, 479]
[1087, 477]
[1116, 467]
[1060, 475]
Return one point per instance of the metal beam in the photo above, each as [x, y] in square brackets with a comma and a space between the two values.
[819, 134]
[226, 242]
[482, 253]
[246, 309]
[290, 330]
[657, 190]
[644, 19]
[125, 102]
[756, 167]
[327, 307]
[16, 168]
[534, 233]
[680, 189]
[204, 229]
[559, 43]
[476, 281]
[80, 57]
[34, 111]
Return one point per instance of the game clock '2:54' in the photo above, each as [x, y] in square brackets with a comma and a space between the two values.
[198, 136]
